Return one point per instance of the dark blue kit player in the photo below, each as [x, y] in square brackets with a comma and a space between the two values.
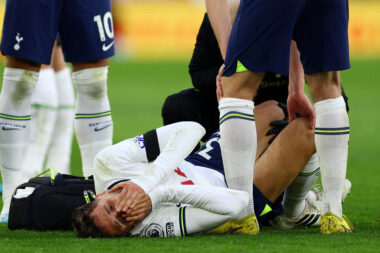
[86, 34]
[302, 38]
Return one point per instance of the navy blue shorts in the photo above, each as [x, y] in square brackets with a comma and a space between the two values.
[85, 28]
[263, 29]
[264, 209]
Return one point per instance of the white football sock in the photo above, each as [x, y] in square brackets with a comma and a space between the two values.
[44, 106]
[93, 122]
[59, 153]
[331, 140]
[295, 194]
[15, 118]
[238, 144]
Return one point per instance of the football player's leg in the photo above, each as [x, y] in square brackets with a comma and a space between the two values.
[90, 58]
[44, 106]
[258, 43]
[60, 146]
[331, 136]
[93, 121]
[322, 66]
[266, 113]
[295, 195]
[25, 47]
[294, 200]
[281, 162]
[279, 165]
[238, 130]
[15, 115]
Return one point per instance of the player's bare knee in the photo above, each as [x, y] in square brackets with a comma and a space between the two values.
[97, 90]
[22, 90]
[21, 86]
[91, 83]
[269, 110]
[302, 128]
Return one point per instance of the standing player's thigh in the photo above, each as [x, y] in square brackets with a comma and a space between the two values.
[86, 30]
[30, 28]
[260, 37]
[321, 36]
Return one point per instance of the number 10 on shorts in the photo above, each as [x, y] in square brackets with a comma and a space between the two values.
[105, 26]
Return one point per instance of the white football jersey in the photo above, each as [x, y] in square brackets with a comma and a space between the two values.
[186, 198]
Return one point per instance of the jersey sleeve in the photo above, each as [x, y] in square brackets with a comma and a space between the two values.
[210, 206]
[176, 141]
[146, 159]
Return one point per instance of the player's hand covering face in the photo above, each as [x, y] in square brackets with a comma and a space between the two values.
[121, 208]
[130, 195]
[107, 219]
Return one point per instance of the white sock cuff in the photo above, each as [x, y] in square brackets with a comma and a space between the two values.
[236, 103]
[23, 75]
[91, 75]
[328, 104]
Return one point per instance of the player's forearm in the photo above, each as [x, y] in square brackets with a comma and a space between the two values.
[220, 19]
[296, 72]
[222, 201]
[199, 220]
[176, 141]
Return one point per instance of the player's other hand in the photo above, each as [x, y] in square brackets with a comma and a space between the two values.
[128, 196]
[219, 90]
[138, 211]
[299, 103]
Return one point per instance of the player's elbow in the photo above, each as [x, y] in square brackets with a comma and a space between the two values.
[100, 161]
[197, 128]
[192, 129]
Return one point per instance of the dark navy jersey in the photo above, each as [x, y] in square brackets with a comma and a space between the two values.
[209, 155]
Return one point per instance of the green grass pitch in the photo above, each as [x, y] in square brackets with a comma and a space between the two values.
[137, 91]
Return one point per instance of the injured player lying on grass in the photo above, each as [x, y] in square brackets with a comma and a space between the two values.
[187, 194]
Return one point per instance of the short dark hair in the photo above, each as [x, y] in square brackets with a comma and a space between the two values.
[83, 223]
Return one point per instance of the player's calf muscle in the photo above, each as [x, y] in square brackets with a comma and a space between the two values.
[242, 85]
[324, 85]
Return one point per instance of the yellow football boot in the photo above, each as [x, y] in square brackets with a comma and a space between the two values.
[247, 225]
[330, 224]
